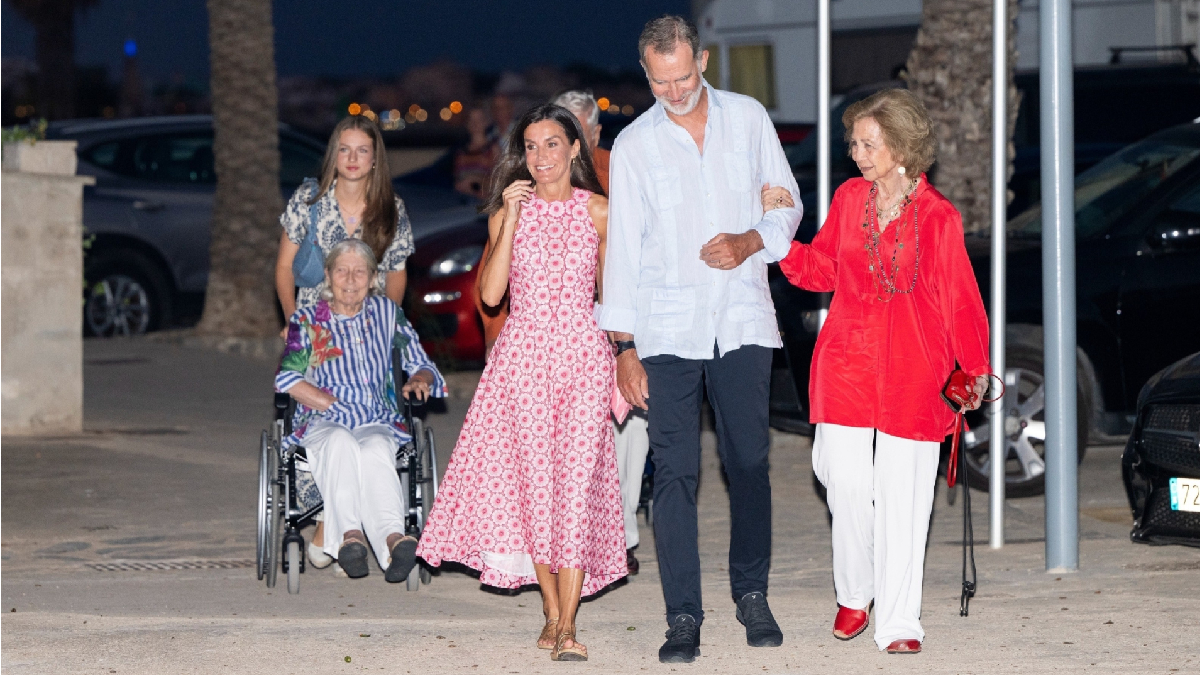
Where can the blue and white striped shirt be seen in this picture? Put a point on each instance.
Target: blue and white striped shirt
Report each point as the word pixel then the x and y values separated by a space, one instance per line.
pixel 351 358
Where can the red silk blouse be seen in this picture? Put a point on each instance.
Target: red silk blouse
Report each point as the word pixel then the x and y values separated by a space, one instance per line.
pixel 882 363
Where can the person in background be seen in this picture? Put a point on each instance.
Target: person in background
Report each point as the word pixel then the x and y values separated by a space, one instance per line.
pixel 353 199
pixel 686 277
pixel 473 162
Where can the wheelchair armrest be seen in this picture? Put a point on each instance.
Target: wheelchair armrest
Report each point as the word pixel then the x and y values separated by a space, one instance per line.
pixel 282 402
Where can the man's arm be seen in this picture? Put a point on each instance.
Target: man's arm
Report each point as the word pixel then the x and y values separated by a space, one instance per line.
pixel 778 226
pixel 623 250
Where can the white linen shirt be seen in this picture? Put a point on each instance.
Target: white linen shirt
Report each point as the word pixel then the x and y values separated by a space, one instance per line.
pixel 666 201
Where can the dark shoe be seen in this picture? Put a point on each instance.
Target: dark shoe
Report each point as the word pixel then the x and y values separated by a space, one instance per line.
pixel 849 623
pixel 404 558
pixel 683 641
pixel 631 562
pixel 755 615
pixel 904 647
pixel 352 557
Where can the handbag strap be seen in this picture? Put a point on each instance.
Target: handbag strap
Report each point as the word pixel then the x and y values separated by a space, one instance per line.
pixel 968 587
pixel 311 235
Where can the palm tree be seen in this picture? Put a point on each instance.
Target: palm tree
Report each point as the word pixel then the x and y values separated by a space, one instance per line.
pixel 54 46
pixel 241 296
pixel 950 70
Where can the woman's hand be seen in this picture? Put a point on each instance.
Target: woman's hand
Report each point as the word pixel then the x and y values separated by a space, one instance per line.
pixel 420 383
pixel 776 197
pixel 978 389
pixel 517 193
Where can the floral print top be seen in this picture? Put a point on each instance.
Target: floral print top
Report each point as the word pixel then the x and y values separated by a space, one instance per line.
pixel 350 357
pixel 331 229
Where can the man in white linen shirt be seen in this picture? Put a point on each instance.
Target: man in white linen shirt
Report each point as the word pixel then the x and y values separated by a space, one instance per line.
pixel 687 303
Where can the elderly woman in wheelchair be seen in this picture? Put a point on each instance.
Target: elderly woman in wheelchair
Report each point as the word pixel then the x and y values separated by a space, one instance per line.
pixel 337 366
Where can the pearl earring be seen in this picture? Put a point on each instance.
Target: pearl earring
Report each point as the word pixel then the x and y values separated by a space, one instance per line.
pixel 900 171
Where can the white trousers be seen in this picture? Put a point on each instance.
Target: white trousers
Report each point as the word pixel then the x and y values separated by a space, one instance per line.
pixel 633 444
pixel 355 470
pixel 881 506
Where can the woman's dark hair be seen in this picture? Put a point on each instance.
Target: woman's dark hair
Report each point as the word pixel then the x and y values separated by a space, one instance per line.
pixel 511 165
pixel 379 211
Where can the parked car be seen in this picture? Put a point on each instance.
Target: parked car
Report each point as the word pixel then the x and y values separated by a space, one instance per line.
pixel 1137 283
pixel 1161 464
pixel 149 214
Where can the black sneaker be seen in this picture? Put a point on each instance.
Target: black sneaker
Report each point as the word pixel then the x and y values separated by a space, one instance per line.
pixel 683 641
pixel 755 615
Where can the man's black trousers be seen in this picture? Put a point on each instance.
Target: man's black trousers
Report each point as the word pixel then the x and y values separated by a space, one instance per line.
pixel 738 386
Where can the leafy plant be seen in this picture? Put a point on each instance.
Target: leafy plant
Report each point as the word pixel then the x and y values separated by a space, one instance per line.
pixel 33 132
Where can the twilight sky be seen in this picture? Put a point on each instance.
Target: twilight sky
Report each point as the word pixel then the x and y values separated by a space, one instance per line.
pixel 367 37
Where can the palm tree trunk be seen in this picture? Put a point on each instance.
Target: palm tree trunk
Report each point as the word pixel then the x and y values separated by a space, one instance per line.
pixel 241 295
pixel 950 70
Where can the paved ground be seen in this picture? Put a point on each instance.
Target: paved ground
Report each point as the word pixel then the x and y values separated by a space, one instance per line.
pixel 166 471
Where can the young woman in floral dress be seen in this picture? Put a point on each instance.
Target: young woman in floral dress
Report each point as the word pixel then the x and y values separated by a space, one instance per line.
pixel 531 493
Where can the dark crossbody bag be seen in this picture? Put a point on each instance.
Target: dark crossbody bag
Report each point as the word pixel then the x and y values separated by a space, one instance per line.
pixel 957 394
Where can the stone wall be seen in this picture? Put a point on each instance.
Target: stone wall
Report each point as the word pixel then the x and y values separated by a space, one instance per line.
pixel 41 274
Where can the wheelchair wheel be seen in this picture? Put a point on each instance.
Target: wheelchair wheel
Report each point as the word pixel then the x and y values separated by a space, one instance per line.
pixel 263 487
pixel 293 565
pixel 276 508
pixel 414 579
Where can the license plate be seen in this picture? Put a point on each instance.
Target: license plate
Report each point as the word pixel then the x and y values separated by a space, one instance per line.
pixel 1185 494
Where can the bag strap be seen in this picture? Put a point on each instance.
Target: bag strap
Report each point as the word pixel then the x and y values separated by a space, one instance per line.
pixel 968 587
pixel 311 235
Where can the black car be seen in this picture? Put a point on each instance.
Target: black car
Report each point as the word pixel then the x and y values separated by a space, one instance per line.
pixel 1137 289
pixel 1161 464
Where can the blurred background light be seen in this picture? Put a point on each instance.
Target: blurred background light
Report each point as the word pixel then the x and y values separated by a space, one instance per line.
pixel 354 109
pixel 456 107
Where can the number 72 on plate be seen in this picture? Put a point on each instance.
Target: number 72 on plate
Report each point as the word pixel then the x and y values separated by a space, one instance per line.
pixel 1185 494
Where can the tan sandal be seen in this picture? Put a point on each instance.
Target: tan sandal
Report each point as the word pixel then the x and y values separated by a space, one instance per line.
pixel 561 653
pixel 546 639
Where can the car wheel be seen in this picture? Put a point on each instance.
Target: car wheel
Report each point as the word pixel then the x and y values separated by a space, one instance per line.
pixel 1025 428
pixel 124 296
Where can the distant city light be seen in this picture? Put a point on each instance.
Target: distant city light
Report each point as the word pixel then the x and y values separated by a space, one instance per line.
pixel 627 109
pixel 412 109
pixel 354 109
pixel 421 115
pixel 445 114
pixel 370 114
pixel 410 118
pixel 131 48
pixel 456 107
pixel 603 103
pixel 614 108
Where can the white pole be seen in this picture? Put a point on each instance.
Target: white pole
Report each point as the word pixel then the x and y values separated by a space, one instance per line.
pixel 823 130
pixel 998 442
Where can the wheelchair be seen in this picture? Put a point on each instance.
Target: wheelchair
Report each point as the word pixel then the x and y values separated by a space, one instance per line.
pixel 288 500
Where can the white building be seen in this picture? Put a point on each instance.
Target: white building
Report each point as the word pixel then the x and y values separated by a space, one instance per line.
pixel 768 48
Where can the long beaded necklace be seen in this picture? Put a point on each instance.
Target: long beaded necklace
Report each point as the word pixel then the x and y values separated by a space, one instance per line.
pixel 885 280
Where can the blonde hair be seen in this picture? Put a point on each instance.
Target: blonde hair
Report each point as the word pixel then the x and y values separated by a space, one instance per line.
pixel 904 121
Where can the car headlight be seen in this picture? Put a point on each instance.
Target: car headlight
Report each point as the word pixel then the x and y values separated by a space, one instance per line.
pixel 441 297
pixel 458 261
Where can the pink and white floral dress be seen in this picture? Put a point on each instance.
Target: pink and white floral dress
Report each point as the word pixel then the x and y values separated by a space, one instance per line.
pixel 533 478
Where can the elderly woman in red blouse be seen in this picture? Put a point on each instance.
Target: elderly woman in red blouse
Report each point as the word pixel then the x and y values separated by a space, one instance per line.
pixel 905 308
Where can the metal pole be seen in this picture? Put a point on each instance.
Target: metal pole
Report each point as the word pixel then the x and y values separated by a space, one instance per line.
pixel 1058 284
pixel 998 442
pixel 823 130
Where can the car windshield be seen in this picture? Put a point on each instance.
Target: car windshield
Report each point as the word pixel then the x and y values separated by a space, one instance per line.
pixel 1107 191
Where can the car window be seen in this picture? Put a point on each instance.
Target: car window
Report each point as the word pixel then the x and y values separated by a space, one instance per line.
pixel 1105 193
pixel 103 155
pixel 175 159
pixel 1189 203
pixel 297 162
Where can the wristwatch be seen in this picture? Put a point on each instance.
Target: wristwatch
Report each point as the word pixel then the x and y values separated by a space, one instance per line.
pixel 624 346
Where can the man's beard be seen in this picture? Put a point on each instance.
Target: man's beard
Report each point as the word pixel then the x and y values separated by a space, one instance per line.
pixel 689 103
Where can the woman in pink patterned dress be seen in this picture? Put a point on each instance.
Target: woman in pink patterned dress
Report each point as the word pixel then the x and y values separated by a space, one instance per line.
pixel 531 493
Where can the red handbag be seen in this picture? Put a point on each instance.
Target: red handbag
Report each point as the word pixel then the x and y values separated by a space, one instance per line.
pixel 958 395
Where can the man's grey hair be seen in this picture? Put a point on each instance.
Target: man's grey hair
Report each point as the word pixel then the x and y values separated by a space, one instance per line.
pixel 349 245
pixel 663 33
pixel 582 104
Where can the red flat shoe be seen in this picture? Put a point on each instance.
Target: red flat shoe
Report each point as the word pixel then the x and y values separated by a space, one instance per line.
pixel 850 622
pixel 904 647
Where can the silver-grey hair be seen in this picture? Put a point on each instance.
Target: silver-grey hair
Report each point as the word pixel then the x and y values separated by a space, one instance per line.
pixel 349 245
pixel 663 33
pixel 582 104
